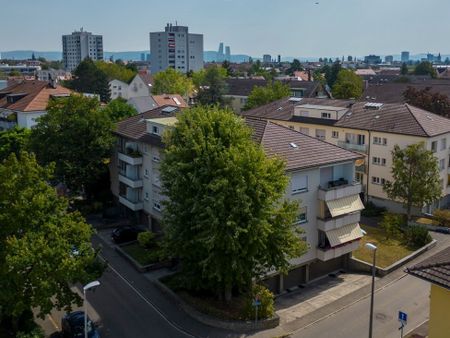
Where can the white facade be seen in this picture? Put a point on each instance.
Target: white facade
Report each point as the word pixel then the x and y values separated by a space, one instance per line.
pixel 28 119
pixel 79 46
pixel 138 88
pixel 118 89
pixel 176 48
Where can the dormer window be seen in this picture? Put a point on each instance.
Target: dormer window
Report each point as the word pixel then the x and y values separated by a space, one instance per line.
pixel 326 115
pixel 155 130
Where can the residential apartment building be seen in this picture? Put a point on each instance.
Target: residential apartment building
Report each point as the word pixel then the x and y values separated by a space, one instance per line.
pixel 22 103
pixel 81 45
pixel 321 180
pixel 176 48
pixel 372 129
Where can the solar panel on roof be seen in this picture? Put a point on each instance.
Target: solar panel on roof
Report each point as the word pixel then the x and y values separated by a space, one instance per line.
pixel 295 99
pixel 169 109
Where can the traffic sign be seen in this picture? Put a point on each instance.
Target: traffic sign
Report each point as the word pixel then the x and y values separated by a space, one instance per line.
pixel 403 317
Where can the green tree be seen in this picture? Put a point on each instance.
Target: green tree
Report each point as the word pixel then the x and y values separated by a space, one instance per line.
pixel 348 85
pixel 90 79
pixel 295 66
pixel 262 95
pixel 425 68
pixel 118 109
pixel 415 177
pixel 404 70
pixel 227 66
pixel 225 215
pixel 332 72
pixel 426 99
pixel 76 135
pixel 43 248
pixel 171 81
pixel 211 85
pixel 116 70
pixel 14 141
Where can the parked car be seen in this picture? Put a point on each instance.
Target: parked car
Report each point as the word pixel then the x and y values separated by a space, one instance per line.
pixel 443 230
pixel 72 326
pixel 125 234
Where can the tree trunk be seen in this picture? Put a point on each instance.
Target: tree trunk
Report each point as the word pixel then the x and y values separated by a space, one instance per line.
pixel 228 293
pixel 408 212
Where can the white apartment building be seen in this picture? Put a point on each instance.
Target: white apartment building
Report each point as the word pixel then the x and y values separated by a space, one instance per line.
pixel 372 129
pixel 140 86
pixel 176 48
pixel 321 180
pixel 81 45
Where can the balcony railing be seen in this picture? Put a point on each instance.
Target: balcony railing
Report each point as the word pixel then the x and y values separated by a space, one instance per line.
pixel 337 222
pixel 338 191
pixel 362 148
pixel 134 205
pixel 130 181
pixel 132 158
pixel 325 254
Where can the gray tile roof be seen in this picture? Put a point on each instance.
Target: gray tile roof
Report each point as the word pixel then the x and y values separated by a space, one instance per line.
pixel 435 269
pixel 396 118
pixel 310 152
pixel 243 87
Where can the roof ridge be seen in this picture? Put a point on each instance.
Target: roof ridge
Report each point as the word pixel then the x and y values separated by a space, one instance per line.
pixel 408 106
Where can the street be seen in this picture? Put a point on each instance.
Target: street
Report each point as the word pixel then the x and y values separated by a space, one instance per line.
pixel 408 294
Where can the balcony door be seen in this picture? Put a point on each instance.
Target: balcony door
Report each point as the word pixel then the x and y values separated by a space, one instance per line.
pixel 326 175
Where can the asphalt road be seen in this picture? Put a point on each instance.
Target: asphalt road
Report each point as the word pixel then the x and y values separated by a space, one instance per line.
pixel 408 294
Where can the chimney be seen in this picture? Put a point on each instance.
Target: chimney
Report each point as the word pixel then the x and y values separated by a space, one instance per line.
pixel 309 74
pixel 53 82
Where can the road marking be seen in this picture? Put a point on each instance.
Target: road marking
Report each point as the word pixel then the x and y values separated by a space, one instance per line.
pixel 153 306
pixel 53 322
pixel 346 306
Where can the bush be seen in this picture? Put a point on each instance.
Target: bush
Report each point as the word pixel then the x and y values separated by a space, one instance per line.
pixel 266 309
pixel 146 239
pixel 371 210
pixel 416 236
pixel 35 333
pixel 442 217
pixel 392 224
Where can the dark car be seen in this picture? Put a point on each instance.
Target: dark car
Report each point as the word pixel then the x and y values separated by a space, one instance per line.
pixel 125 234
pixel 72 326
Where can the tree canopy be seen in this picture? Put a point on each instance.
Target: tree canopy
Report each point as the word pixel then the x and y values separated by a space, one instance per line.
pixel 295 66
pixel 43 247
pixel 118 109
pixel 262 95
pixel 225 215
pixel 76 135
pixel 425 68
pixel 14 141
pixel 426 99
pixel 211 85
pixel 332 72
pixel 415 175
pixel 88 78
pixel 116 71
pixel 404 70
pixel 348 85
pixel 171 81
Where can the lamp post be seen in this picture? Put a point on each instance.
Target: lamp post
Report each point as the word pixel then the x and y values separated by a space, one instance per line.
pixel 85 288
pixel 372 247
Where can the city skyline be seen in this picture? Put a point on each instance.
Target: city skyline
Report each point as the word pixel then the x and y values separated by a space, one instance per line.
pixel 328 28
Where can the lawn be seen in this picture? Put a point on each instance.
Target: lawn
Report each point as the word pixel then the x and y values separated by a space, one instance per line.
pixel 389 251
pixel 141 255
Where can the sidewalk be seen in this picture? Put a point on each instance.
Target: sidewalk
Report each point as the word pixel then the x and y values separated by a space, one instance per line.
pixel 419 332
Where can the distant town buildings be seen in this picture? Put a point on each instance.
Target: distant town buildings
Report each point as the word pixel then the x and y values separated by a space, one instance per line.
pixel 79 46
pixel 221 56
pixel 267 58
pixel 372 59
pixel 388 59
pixel 405 56
pixel 176 48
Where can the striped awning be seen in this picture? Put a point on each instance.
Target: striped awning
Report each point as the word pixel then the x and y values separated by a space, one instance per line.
pixel 344 234
pixel 345 205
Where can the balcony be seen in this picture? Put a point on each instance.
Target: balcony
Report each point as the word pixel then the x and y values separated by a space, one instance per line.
pixel 361 148
pixel 325 254
pixel 338 190
pixel 131 182
pixel 337 222
pixel 360 168
pixel 131 204
pixel 132 158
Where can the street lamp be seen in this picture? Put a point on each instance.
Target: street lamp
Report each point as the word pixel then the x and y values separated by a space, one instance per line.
pixel 372 247
pixel 85 288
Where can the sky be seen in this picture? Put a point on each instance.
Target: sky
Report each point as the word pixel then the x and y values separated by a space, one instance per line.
pixel 298 28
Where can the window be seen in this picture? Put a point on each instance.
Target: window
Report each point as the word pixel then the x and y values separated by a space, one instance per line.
pixel 380 140
pixel 320 134
pixel 302 216
pixel 378 180
pixel 383 162
pixel 335 134
pixel 442 164
pixel 304 130
pixel 434 146
pixel 146 196
pixel 155 158
pixel 443 144
pixel 146 173
pixel 376 160
pixel 326 115
pixel 156 180
pixel 299 183
pixel 157 205
pixel 155 130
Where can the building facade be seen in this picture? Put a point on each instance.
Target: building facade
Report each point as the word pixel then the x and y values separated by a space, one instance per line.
pixel 321 181
pixel 81 45
pixel 405 56
pixel 372 129
pixel 176 48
